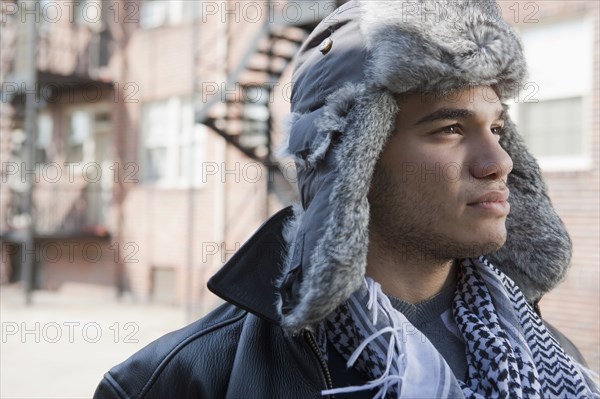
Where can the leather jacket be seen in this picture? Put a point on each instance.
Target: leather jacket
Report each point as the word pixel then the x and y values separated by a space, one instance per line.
pixel 236 351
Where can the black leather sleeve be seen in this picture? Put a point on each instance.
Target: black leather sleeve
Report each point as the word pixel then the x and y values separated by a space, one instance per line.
pixel 194 362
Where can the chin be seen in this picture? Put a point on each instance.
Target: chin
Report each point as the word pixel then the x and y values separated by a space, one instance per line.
pixel 492 244
pixel 490 232
pixel 490 247
pixel 474 250
pixel 482 243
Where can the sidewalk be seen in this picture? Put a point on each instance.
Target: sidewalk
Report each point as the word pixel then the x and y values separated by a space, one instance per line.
pixel 61 345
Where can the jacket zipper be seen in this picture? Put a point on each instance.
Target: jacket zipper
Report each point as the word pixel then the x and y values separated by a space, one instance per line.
pixel 313 345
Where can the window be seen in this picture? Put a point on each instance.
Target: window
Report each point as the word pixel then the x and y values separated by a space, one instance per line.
pixel 99 49
pixel 155 13
pixel 88 134
pixel 45 126
pixel 553 111
pixel 192 141
pixel 79 133
pixel 91 13
pixel 174 146
pixel 256 119
pixel 552 130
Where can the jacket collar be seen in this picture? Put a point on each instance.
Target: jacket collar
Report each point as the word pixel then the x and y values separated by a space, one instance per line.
pixel 247 279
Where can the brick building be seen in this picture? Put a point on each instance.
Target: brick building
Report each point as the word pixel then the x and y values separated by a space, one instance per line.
pixel 157 122
pixel 558 114
pixel 154 137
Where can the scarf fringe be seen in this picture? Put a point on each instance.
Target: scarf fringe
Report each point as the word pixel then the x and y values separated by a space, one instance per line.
pixel 377 299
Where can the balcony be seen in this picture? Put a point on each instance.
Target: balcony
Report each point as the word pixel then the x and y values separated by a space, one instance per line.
pixel 67 52
pixel 60 211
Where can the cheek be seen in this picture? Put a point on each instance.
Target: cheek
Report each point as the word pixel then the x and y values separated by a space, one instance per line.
pixel 430 196
pixel 430 158
pixel 435 181
pixel 428 176
pixel 442 173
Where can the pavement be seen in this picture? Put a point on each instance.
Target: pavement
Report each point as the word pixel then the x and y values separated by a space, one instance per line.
pixel 61 345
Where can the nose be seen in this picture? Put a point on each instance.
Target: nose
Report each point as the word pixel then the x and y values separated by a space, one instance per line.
pixel 490 160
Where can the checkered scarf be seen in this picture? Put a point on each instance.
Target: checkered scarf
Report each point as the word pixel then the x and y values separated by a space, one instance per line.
pixel 510 353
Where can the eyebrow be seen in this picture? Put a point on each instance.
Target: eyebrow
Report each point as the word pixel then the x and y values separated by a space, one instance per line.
pixel 453 113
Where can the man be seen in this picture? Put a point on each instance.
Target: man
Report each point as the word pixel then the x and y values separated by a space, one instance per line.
pixel 410 171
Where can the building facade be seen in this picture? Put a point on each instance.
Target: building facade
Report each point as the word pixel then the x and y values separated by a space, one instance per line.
pixel 153 137
pixel 558 115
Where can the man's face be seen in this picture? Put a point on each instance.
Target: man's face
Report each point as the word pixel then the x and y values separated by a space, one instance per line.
pixel 439 188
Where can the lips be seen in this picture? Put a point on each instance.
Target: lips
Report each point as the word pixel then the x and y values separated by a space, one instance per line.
pixel 492 196
pixel 494 202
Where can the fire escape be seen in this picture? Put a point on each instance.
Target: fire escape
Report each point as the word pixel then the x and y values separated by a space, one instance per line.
pixel 243 116
pixel 42 63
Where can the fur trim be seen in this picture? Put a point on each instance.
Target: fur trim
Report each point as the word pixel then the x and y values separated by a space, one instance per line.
pixel 438 46
pixel 331 122
pixel 336 265
pixel 289 232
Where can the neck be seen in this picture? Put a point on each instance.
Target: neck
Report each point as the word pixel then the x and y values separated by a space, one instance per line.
pixel 410 276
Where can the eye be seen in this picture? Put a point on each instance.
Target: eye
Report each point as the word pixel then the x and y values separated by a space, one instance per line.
pixel 451 130
pixel 498 130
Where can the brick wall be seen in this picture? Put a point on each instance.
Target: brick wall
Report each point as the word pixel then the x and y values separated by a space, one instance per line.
pixel 223 211
pixel 573 306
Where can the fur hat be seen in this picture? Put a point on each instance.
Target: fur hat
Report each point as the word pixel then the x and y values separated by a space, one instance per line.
pixel 346 76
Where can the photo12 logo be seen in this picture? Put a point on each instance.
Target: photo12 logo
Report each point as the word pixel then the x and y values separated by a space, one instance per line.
pixel 54 172
pixel 69 331
pixel 88 12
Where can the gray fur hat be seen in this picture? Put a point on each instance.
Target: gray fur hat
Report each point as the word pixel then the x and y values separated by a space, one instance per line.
pixel 346 76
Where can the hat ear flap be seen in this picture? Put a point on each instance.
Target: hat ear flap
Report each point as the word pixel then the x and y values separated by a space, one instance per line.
pixel 538 249
pixel 331 240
